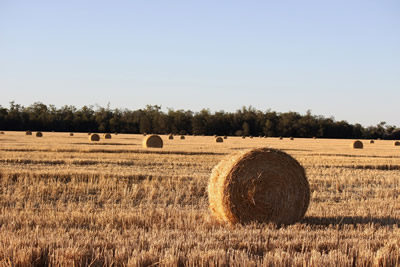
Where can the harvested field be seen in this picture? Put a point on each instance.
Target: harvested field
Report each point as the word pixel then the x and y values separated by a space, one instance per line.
pixel 67 201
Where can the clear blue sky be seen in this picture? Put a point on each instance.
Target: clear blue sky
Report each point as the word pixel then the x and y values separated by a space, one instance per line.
pixel 336 58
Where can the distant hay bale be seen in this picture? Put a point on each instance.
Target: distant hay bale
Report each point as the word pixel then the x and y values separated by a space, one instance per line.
pixel 397 143
pixel 251 137
pixel 291 138
pixel 71 134
pixel 225 137
pixel 170 137
pixel 243 137
pixel 182 137
pixel 219 139
pixel 94 137
pixel 314 137
pixel 371 141
pixel 107 136
pixel 262 185
pixel 144 134
pixel 116 133
pixel 280 138
pixel 28 133
pixel 357 144
pixel 1 132
pixel 89 133
pixel 39 134
pixel 153 141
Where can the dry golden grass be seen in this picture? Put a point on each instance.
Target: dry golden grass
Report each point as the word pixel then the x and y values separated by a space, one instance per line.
pixel 66 201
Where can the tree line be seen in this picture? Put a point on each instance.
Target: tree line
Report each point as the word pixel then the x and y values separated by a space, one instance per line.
pixel 247 121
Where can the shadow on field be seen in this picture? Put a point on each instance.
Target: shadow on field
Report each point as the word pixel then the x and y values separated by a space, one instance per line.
pixel 354 220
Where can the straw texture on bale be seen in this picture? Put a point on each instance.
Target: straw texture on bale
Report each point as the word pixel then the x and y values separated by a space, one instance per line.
pixel 261 185
pixel 28 133
pixel 397 143
pixel 152 141
pixel 357 144
pixel 182 137
pixel 94 137
pixel 107 136
pixel 219 139
pixel 171 137
pixel 39 134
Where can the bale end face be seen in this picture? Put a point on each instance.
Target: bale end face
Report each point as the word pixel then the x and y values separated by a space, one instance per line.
pixel 219 139
pixel 152 141
pixel 357 144
pixel 94 138
pixel 261 185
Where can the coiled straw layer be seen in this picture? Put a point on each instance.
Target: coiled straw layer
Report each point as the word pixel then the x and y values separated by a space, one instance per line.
pixel 262 185
pixel 152 141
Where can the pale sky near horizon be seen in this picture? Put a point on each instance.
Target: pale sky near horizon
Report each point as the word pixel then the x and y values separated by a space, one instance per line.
pixel 335 58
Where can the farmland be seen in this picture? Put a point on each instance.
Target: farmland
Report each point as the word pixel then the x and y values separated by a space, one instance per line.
pixel 67 201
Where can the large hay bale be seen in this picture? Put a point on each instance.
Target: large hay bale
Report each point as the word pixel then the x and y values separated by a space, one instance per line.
pixel 262 185
pixel 397 143
pixel 107 136
pixel 182 137
pixel 152 141
pixel 357 144
pixel 219 139
pixel 28 133
pixel 39 134
pixel 171 137
pixel 94 137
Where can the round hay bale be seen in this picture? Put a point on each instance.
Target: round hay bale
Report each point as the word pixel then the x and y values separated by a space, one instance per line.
pixel 28 133
pixel 94 137
pixel 89 133
pixel 291 138
pixel 357 144
pixel 182 137
pixel 243 137
pixel 280 138
pixel 219 139
pixel 144 134
pixel 1 132
pixel 39 134
pixel 371 141
pixel 251 137
pixel 152 141
pixel 262 185
pixel 107 136
pixel 397 143
pixel 225 137
pixel 171 137
pixel 71 134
